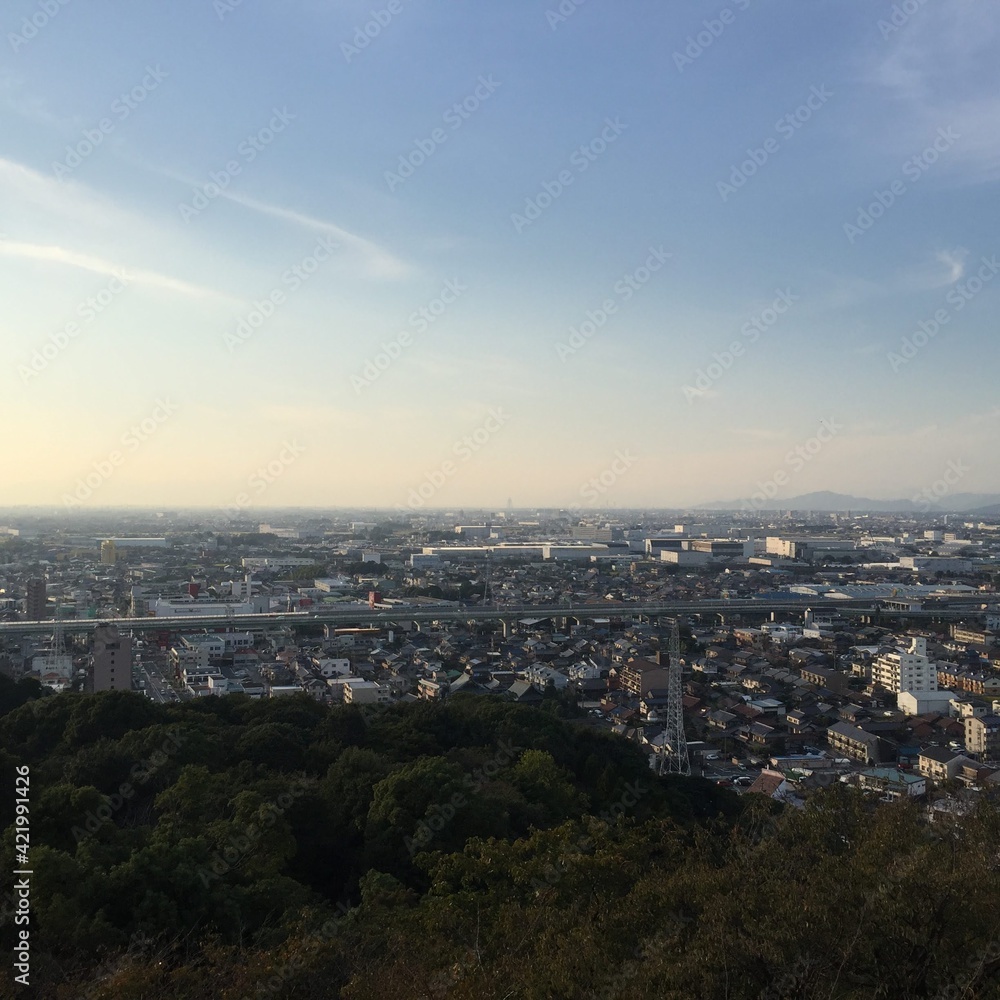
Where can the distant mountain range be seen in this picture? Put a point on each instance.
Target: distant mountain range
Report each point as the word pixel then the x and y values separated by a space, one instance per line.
pixel 980 504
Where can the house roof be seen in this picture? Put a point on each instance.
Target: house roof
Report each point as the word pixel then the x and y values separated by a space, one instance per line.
pixel 767 783
pixel 941 755
pixel 852 732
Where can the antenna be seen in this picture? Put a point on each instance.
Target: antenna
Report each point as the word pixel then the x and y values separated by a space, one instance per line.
pixel 674 753
pixel 58 641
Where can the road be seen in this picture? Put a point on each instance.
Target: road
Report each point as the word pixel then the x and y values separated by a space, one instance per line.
pixel 365 616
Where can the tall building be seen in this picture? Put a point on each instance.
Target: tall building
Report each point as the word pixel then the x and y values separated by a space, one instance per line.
pixel 112 660
pixel 35 606
pixel 906 670
pixel 109 553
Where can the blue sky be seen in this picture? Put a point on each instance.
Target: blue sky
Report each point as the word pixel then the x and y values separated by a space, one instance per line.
pixel 733 145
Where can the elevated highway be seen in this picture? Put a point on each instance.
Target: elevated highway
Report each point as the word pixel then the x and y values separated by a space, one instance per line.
pixel 362 617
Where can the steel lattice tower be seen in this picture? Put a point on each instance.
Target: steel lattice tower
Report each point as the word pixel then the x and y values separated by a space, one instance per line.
pixel 674 754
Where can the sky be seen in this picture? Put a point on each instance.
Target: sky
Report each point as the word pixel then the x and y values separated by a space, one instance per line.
pixel 333 253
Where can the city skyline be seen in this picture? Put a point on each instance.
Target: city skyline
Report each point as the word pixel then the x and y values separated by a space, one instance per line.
pixel 376 248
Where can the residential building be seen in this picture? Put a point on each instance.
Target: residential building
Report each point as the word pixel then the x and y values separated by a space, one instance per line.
pixel 854 742
pixel 940 763
pixel 36 601
pixel 982 736
pixel 366 693
pixel 972 636
pixel 906 670
pixel 639 675
pixel 892 783
pixel 111 660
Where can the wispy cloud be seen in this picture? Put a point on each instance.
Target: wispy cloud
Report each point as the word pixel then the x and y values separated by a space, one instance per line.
pixel 940 67
pixel 946 267
pixel 85 262
pixel 15 97
pixel 377 261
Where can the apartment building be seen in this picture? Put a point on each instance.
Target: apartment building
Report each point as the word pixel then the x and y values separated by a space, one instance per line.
pixel 111 660
pixel 982 736
pixel 906 670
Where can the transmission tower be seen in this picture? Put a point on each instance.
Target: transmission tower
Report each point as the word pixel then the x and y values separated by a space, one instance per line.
pixel 58 639
pixel 489 579
pixel 674 754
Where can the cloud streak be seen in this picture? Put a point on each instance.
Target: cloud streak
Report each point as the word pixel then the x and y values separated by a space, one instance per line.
pixel 85 262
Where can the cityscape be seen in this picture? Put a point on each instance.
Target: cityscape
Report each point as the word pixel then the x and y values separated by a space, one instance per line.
pixel 817 646
pixel 500 501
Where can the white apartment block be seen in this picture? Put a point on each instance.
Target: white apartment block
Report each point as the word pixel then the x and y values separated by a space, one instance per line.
pixel 366 693
pixel 906 670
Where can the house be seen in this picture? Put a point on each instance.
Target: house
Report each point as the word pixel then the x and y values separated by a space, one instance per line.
pixel 825 678
pixel 892 783
pixel 772 784
pixel 940 763
pixel 523 692
pixel 854 742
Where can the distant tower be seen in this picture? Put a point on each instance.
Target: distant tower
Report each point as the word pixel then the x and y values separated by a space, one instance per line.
pixel 489 578
pixel 36 604
pixel 58 639
pixel 112 660
pixel 109 553
pixel 674 755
